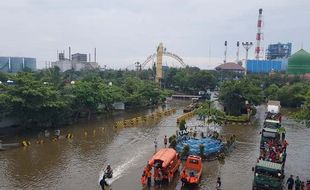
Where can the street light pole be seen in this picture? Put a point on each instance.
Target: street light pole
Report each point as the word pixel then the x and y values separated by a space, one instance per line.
pixel 138 67
pixel 247 46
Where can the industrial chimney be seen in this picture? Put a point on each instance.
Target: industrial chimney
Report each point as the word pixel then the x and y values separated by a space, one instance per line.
pixel 225 52
pixel 69 53
pixel 95 55
pixel 238 45
pixel 259 36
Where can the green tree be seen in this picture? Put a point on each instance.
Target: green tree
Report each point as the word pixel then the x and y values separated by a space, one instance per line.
pixel 271 93
pixel 304 113
pixel 35 103
pixel 3 77
pixel 234 94
pixel 211 114
pixel 293 95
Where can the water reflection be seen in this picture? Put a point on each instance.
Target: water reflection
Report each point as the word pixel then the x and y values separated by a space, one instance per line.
pixel 78 163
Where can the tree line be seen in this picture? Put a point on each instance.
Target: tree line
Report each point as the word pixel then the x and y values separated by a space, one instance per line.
pixel 50 97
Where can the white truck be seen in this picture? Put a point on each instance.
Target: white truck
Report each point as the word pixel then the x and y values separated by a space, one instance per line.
pixel 273 106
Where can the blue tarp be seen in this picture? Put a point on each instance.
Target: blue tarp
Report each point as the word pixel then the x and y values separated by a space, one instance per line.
pixel 211 146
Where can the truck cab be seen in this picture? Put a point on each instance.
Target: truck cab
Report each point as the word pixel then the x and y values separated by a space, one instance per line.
pixel 268 175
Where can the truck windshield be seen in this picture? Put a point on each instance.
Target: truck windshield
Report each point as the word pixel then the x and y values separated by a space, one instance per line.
pixel 272 125
pixel 269 134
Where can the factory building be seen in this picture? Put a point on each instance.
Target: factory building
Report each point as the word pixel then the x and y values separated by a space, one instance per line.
pixel 79 57
pixel 299 63
pixel 279 51
pixel 263 66
pixel 17 64
pixel 230 67
pixel 77 62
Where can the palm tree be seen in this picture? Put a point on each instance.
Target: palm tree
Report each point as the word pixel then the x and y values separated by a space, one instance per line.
pixel 211 114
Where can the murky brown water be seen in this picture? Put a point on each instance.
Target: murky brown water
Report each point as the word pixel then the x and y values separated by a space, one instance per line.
pixel 77 163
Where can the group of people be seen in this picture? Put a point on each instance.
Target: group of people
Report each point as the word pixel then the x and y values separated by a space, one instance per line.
pixel 159 176
pixel 274 151
pixel 299 185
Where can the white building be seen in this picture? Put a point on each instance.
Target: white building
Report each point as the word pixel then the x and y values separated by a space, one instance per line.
pixel 67 64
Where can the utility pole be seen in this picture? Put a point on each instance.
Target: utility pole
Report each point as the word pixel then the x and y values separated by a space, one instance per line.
pixel 138 67
pixel 247 46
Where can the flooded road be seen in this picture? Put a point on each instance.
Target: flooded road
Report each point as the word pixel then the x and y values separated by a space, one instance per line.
pixel 78 163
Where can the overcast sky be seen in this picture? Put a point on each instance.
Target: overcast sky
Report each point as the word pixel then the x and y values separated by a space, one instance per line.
pixel 125 31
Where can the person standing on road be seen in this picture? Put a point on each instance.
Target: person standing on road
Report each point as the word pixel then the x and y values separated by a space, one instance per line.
pixel 165 141
pixel 297 183
pixel 290 183
pixel 218 183
pixel 155 144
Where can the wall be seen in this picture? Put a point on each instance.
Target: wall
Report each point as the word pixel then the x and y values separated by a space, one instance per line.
pixel 263 66
pixel 17 64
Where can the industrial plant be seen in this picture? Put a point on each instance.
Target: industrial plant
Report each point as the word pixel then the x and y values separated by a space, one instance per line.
pixel 76 62
pixel 277 57
pixel 17 64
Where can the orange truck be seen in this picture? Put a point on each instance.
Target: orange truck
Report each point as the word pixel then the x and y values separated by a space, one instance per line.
pixel 166 161
pixel 193 169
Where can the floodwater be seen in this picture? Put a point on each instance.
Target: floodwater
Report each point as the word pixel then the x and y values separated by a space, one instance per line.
pixel 78 163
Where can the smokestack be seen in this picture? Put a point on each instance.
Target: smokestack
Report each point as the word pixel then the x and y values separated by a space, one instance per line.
pixel 95 55
pixel 225 52
pixel 259 35
pixel 89 57
pixel 69 53
pixel 238 44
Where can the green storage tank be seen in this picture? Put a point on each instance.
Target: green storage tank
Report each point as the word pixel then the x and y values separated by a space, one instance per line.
pixel 299 63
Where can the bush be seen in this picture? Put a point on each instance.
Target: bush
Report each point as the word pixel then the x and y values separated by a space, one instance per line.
pixel 171 138
pixel 173 144
pixel 185 151
pixel 202 150
pixel 182 125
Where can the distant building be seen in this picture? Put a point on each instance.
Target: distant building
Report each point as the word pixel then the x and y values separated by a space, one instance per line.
pixel 17 64
pixel 279 51
pixel 79 57
pixel 299 63
pixel 264 66
pixel 230 67
pixel 78 62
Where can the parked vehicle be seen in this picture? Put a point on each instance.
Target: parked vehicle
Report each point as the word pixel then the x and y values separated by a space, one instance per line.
pixel 193 168
pixel 167 160
pixel 273 106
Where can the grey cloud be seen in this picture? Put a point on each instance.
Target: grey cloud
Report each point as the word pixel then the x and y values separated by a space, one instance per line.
pixel 131 29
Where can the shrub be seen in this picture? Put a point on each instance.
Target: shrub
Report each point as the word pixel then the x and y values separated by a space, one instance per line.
pixel 185 151
pixel 202 149
pixel 182 125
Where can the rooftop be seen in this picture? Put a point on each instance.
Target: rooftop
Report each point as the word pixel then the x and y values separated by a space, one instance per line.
pixel 230 66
